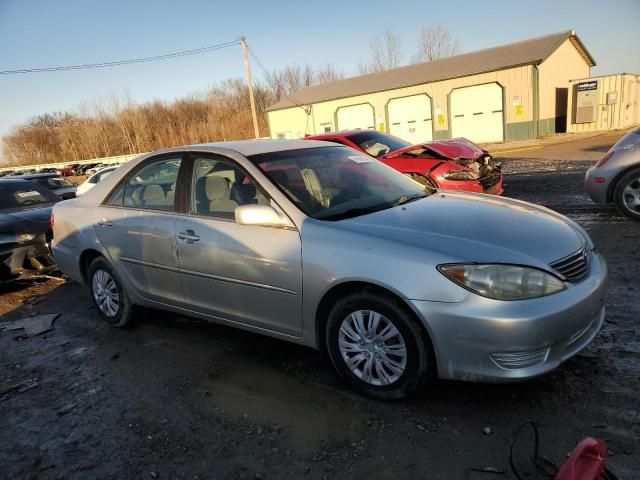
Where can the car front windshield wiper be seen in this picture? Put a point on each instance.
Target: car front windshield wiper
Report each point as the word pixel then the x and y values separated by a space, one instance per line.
pixel 356 212
pixel 409 198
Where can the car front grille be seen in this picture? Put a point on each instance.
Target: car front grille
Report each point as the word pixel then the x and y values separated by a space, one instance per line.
pixel 515 360
pixel 574 267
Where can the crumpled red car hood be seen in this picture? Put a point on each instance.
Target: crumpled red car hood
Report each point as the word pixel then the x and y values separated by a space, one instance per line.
pixel 453 149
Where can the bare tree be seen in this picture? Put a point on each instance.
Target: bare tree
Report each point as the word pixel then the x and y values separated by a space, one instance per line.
pixel 327 73
pixel 385 53
pixel 435 42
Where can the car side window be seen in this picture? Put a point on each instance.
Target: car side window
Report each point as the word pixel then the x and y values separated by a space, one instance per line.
pixel 152 187
pixel 219 186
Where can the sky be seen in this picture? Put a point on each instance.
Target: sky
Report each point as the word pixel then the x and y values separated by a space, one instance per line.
pixel 42 33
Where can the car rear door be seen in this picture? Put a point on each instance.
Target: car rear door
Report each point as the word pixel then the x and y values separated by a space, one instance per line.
pixel 137 226
pixel 249 275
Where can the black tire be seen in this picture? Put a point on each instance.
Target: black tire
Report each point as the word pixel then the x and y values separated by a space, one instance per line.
pixel 418 347
pixel 126 309
pixel 631 178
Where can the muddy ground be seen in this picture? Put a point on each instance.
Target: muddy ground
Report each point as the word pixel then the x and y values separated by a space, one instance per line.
pixel 173 397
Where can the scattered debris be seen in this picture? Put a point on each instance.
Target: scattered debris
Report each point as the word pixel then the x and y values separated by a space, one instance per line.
pixel 494 470
pixel 31 325
pixel 153 474
pixel 487 430
pixel 79 400
pixel 21 387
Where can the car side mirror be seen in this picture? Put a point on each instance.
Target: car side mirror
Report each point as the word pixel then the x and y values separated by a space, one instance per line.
pixel 261 215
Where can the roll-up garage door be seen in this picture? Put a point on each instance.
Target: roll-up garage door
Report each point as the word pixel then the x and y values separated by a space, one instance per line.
pixel 476 113
pixel 410 118
pixel 356 117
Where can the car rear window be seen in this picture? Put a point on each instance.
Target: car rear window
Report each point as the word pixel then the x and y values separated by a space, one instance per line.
pixel 23 195
pixel 53 182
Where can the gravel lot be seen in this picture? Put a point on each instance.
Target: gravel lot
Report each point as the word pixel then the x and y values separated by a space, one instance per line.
pixel 178 398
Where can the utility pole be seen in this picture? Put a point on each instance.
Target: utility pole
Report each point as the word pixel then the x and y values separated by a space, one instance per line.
pixel 247 69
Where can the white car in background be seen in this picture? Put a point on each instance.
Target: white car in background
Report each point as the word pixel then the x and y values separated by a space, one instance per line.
pixel 93 180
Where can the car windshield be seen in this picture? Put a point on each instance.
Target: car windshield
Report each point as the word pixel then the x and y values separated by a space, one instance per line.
pixel 53 182
pixel 333 183
pixel 376 143
pixel 23 195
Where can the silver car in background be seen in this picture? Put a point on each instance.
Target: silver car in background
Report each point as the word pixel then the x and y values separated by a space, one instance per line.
pixel 317 244
pixel 616 176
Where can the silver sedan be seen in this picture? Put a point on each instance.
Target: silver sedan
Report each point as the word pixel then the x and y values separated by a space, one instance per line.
pixel 616 177
pixel 320 245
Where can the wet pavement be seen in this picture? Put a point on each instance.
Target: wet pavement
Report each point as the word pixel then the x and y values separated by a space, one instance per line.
pixel 173 397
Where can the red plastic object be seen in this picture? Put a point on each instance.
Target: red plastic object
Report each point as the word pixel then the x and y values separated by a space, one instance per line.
pixel 586 462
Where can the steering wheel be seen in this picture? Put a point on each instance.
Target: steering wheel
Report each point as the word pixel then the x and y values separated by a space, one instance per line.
pixel 350 192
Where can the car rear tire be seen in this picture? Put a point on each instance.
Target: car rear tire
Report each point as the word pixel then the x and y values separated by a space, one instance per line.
pixel 626 194
pixel 377 346
pixel 108 294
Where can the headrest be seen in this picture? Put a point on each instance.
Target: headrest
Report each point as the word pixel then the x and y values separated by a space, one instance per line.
pixel 217 188
pixel 152 193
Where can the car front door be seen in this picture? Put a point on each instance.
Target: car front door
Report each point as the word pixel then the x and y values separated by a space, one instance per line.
pixel 137 226
pixel 250 275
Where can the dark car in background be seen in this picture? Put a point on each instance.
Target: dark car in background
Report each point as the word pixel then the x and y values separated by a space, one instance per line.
pixel 25 229
pixel 82 169
pixel 62 187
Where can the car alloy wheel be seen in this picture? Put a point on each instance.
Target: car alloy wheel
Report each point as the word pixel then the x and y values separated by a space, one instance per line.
pixel 105 292
pixel 372 348
pixel 631 195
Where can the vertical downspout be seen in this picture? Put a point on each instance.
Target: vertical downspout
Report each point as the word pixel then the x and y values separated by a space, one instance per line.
pixel 536 100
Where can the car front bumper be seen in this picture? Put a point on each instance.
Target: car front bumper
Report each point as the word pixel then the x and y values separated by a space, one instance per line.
pixel 485 340
pixel 18 260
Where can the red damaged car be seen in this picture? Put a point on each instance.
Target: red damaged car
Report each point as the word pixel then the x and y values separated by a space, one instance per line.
pixel 457 164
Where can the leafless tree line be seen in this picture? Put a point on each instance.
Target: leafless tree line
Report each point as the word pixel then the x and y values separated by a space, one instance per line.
pixel 118 126
pixel 434 42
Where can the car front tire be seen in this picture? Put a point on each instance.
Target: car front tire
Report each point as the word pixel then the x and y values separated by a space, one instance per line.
pixel 377 346
pixel 626 194
pixel 108 294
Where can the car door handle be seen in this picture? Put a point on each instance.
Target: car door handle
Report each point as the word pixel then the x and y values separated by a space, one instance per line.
pixel 105 223
pixel 189 236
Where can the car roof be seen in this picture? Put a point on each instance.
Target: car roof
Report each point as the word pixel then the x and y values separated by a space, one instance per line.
pixel 344 133
pixel 252 147
pixel 39 175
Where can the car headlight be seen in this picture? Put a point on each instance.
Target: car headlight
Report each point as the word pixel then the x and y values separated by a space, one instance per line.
pixel 16 237
pixel 503 282
pixel 460 175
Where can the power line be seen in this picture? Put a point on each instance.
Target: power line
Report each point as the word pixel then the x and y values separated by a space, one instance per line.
pixel 123 62
pixel 272 80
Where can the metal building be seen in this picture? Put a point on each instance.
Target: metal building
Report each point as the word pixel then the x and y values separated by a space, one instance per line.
pixel 604 103
pixel 510 92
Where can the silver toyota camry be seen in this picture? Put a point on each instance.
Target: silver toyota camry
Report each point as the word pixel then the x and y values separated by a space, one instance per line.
pixel 320 245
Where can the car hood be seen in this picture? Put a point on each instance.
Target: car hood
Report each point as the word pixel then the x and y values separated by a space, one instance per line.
pixel 457 148
pixel 476 228
pixel 25 221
